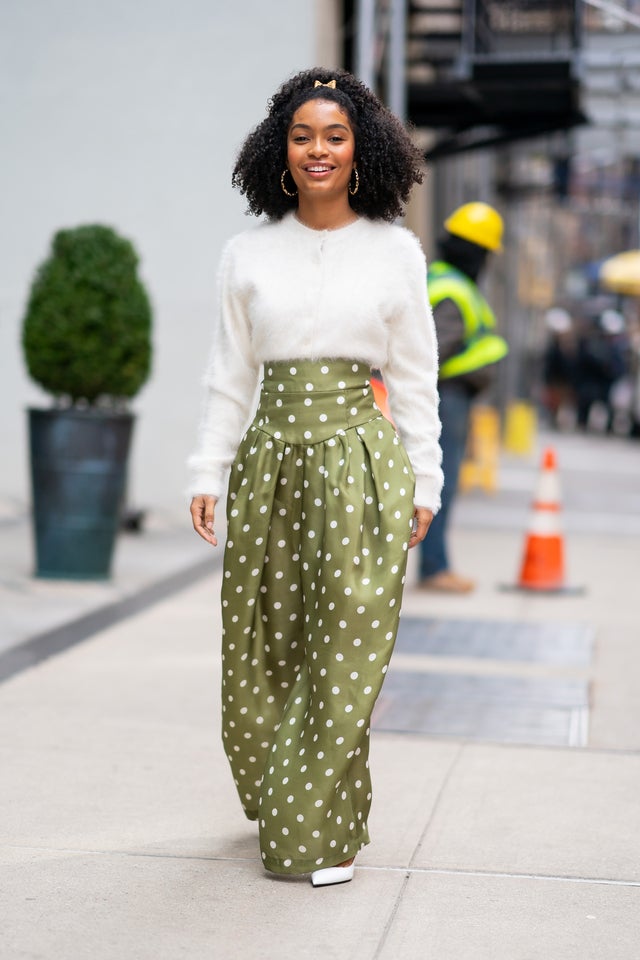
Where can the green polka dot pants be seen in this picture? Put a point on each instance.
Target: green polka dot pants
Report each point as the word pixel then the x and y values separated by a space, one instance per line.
pixel 320 510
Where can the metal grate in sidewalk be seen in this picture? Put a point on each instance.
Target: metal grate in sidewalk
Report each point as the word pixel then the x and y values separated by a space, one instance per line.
pixel 505 709
pixel 547 642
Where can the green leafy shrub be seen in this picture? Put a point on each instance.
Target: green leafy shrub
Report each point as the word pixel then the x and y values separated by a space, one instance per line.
pixel 87 327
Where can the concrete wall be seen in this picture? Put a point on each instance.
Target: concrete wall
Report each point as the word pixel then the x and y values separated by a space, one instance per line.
pixel 130 114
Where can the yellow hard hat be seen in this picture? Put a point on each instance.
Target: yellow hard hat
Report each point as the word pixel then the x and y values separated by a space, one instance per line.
pixel 477 222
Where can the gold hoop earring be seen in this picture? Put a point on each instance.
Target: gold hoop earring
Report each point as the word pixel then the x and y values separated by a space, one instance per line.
pixel 357 186
pixel 284 189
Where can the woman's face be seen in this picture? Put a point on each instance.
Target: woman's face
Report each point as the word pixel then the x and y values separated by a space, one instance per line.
pixel 320 149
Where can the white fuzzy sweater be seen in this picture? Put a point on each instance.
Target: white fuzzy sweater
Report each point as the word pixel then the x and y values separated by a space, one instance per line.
pixel 289 292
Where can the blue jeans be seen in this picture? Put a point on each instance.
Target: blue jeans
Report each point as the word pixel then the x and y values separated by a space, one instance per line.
pixel 455 405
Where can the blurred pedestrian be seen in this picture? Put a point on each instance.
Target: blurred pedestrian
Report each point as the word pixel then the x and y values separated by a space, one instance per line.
pixel 469 349
pixel 602 361
pixel 559 366
pixel 321 504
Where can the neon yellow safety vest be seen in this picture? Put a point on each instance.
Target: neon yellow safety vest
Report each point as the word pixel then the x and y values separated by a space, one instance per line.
pixel 481 345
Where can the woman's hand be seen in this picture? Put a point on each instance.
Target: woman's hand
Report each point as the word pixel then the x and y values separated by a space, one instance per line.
pixel 421 522
pixel 202 514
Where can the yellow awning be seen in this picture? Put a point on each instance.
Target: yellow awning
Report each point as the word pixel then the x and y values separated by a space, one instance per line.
pixel 621 273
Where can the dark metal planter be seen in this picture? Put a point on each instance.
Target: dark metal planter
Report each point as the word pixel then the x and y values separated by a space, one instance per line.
pixel 78 474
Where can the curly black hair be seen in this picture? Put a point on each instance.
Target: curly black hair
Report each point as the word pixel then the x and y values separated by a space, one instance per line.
pixel 388 162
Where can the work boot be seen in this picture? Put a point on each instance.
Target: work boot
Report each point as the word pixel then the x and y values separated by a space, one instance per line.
pixel 446 581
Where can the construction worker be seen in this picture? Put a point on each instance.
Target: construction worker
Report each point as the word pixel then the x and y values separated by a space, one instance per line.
pixel 469 349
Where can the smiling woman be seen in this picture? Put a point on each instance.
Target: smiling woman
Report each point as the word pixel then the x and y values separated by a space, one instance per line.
pixel 320 159
pixel 324 497
pixel 387 161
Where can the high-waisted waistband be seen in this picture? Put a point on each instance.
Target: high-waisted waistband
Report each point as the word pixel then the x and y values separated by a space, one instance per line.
pixel 309 401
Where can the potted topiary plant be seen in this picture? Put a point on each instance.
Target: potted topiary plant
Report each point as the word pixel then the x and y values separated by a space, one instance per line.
pixel 87 341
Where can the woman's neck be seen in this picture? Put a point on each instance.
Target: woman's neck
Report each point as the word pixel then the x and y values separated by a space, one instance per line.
pixel 325 216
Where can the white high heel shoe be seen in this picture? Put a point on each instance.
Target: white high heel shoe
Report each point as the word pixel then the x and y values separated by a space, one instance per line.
pixel 331 875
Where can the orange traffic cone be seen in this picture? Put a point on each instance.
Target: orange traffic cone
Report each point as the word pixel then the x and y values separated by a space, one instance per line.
pixel 543 560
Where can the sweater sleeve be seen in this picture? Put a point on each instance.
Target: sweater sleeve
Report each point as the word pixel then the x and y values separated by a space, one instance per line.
pixel 230 382
pixel 411 375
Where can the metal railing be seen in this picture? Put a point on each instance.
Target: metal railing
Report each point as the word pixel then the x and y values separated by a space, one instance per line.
pixel 521 29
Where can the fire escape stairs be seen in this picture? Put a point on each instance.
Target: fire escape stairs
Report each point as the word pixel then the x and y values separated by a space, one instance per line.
pixel 485 72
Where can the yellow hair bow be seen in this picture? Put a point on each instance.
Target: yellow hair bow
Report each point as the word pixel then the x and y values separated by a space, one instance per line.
pixel 331 83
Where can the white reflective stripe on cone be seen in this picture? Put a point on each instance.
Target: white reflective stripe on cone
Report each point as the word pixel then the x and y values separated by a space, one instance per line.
pixel 548 489
pixel 545 523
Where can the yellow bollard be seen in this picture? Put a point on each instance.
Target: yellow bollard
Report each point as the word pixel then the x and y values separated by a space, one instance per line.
pixel 480 465
pixel 521 424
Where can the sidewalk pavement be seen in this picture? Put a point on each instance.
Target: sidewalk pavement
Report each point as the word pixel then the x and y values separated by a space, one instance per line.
pixel 121 835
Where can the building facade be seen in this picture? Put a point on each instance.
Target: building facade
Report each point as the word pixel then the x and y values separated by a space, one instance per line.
pixel 131 115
